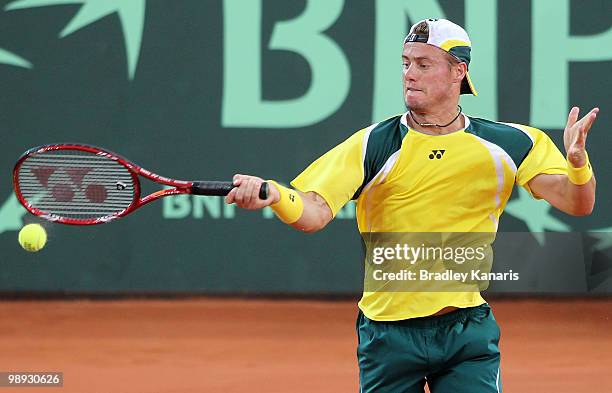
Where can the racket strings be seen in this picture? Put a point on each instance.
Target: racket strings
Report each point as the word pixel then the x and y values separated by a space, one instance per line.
pixel 76 184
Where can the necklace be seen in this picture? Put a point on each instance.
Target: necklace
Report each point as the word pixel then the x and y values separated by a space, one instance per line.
pixel 434 124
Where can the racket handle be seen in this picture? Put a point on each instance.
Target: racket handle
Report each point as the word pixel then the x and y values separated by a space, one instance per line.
pixel 264 191
pixel 222 188
pixel 216 188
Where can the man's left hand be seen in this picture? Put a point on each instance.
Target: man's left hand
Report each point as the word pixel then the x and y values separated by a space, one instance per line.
pixel 575 134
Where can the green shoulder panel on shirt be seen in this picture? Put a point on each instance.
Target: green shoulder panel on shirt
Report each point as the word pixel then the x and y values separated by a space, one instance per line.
pixel 512 140
pixel 383 140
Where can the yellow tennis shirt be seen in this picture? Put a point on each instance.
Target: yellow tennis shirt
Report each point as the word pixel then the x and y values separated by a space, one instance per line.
pixel 407 181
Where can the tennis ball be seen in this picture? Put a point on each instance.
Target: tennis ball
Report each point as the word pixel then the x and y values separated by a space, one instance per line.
pixel 32 237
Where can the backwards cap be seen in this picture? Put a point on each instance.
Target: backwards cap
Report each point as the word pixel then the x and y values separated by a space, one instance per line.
pixel 449 37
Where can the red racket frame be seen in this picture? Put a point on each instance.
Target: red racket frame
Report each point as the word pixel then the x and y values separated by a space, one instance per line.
pixel 181 186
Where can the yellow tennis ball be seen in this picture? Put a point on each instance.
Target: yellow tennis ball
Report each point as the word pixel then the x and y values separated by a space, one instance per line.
pixel 32 237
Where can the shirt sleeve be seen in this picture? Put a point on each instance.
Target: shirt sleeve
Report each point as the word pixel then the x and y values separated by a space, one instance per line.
pixel 337 174
pixel 543 158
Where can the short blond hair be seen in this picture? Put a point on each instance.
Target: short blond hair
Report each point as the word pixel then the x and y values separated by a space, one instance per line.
pixel 421 29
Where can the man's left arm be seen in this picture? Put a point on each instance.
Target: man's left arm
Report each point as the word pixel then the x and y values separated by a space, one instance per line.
pixel 573 193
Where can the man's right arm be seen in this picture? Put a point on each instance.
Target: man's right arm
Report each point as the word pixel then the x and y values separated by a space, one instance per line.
pixel 316 213
pixel 328 183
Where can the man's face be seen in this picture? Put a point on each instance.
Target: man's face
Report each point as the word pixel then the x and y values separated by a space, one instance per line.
pixel 428 77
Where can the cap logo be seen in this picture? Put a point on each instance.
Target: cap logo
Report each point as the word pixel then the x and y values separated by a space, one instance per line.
pixel 416 38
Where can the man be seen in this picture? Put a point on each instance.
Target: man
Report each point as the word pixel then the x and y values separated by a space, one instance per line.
pixel 431 169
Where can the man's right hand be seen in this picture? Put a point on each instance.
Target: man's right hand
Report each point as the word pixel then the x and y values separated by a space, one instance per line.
pixel 246 193
pixel 316 214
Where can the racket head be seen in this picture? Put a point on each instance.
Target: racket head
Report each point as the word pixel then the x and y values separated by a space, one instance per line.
pixel 76 184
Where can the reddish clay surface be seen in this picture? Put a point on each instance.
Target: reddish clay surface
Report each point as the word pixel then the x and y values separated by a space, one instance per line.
pixel 203 345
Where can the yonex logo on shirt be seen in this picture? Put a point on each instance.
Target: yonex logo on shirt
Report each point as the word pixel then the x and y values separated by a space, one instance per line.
pixel 436 154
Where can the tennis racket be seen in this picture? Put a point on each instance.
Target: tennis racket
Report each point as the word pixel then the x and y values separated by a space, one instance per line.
pixel 85 185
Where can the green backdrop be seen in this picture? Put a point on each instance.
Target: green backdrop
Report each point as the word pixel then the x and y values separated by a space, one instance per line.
pixel 205 89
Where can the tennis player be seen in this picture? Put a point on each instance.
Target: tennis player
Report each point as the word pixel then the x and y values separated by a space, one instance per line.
pixel 432 169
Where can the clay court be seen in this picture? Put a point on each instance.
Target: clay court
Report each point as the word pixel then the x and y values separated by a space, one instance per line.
pixel 231 346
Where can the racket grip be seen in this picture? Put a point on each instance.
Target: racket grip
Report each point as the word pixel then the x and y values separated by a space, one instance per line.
pixel 264 191
pixel 215 188
pixel 222 188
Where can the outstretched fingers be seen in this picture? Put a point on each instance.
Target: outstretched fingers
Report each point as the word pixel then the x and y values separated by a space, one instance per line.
pixel 588 120
pixel 572 117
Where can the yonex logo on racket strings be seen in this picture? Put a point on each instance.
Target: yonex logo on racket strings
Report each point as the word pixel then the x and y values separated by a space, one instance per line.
pixel 436 154
pixel 63 191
